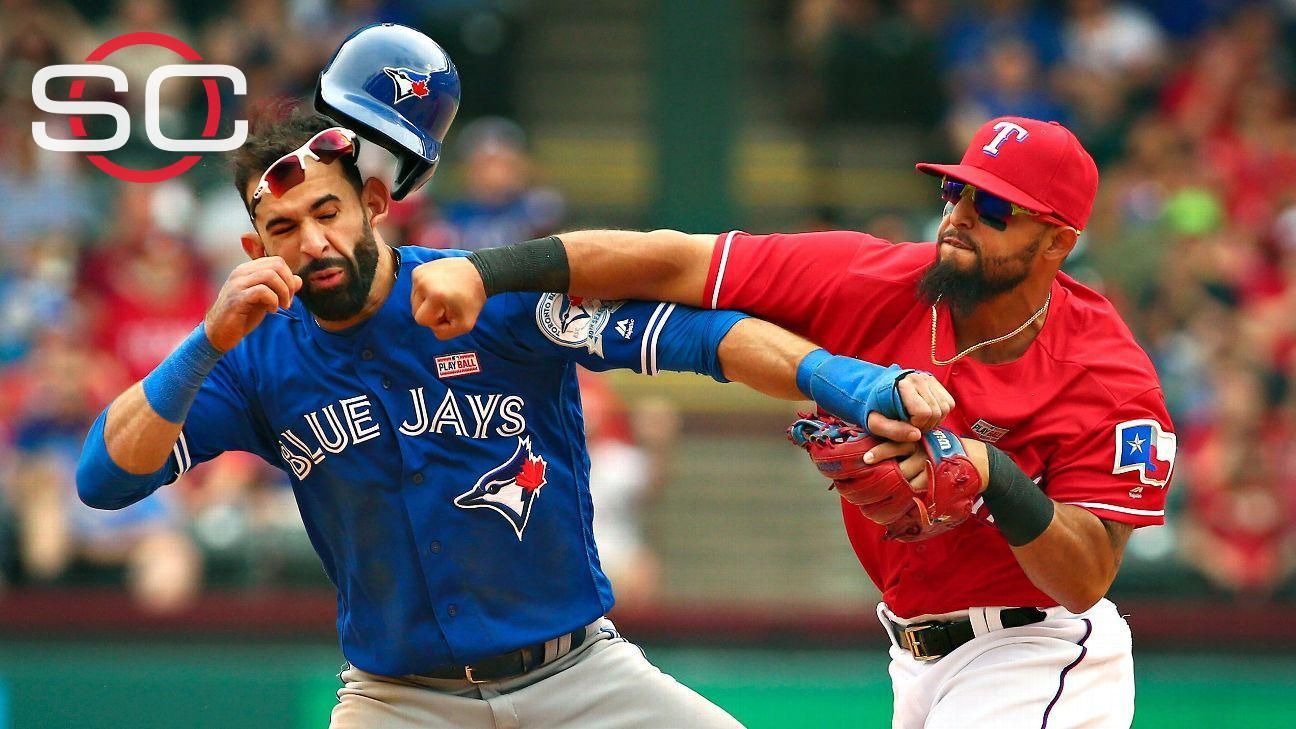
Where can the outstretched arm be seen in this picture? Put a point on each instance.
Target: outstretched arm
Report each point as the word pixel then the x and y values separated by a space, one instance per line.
pixel 661 265
pixel 778 363
pixel 448 294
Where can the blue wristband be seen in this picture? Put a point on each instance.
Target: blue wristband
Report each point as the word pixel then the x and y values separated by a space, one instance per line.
pixel 806 370
pixel 171 387
pixel 850 388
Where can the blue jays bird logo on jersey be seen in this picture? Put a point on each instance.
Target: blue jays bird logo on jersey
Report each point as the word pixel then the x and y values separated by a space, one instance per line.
pixel 1142 446
pixel 510 488
pixel 409 83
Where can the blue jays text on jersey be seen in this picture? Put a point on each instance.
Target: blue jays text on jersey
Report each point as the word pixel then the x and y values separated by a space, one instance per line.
pixel 444 485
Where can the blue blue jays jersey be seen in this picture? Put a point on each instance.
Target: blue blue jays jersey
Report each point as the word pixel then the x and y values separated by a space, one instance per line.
pixel 444 485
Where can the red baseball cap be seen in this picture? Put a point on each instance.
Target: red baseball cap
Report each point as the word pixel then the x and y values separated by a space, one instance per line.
pixel 1012 154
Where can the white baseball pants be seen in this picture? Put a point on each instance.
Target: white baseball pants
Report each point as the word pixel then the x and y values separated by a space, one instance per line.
pixel 1066 672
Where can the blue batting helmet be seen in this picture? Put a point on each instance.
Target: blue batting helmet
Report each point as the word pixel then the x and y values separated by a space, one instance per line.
pixel 397 88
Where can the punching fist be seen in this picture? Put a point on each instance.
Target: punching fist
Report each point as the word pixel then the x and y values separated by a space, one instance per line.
pixel 447 296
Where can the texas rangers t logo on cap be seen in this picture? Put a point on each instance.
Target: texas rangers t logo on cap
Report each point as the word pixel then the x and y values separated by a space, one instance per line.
pixel 409 83
pixel 1005 129
pixel 1142 446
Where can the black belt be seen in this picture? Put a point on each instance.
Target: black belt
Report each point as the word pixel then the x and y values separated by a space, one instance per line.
pixel 932 640
pixel 513 663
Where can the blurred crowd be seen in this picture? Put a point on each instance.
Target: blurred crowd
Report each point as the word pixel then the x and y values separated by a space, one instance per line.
pixel 1186 104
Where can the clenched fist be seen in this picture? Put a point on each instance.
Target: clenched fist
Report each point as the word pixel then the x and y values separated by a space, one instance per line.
pixel 253 290
pixel 447 296
pixel 925 399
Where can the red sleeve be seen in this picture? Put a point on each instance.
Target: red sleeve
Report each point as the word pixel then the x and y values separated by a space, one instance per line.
pixel 1121 469
pixel 789 278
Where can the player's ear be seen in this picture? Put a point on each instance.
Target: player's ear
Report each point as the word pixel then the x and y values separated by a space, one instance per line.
pixel 1061 243
pixel 376 199
pixel 252 245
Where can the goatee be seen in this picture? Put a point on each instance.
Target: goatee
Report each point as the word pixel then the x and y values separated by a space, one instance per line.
pixel 963 290
pixel 348 300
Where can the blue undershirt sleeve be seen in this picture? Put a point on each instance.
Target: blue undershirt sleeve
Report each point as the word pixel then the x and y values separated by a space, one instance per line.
pixel 689 340
pixel 102 484
pixel 644 336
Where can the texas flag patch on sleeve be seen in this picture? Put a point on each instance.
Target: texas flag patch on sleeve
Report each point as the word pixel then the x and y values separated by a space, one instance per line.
pixel 1142 446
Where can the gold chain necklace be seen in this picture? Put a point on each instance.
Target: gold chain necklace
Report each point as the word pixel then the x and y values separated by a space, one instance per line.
pixel 987 342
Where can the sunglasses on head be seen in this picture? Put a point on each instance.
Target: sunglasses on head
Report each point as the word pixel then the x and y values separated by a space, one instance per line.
pixel 993 210
pixel 289 170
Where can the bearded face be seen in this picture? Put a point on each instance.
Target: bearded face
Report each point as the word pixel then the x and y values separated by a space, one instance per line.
pixel 964 283
pixel 337 288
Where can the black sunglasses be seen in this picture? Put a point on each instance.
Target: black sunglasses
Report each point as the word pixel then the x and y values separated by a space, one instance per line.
pixel 992 210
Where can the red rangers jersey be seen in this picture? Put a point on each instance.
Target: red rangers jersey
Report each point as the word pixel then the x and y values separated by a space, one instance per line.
pixel 1081 412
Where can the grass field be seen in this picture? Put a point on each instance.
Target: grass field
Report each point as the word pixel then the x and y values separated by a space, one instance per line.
pixel 93 685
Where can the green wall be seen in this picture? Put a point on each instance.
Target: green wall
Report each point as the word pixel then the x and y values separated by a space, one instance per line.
pixel 89 685
pixel 695 112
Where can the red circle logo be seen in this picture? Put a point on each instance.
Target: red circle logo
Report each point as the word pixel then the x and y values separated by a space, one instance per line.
pixel 180 48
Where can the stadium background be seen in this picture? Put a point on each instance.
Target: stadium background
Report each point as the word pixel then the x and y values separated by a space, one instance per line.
pixel 208 608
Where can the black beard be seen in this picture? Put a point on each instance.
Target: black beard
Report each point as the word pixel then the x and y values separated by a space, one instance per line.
pixel 348 300
pixel 963 290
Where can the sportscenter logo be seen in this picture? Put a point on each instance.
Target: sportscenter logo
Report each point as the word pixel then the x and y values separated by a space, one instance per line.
pixel 152 107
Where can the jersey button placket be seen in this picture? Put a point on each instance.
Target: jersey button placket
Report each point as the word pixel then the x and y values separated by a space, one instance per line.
pixel 417 478
pixel 366 354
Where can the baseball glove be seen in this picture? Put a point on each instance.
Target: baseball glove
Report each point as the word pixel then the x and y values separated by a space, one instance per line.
pixel 880 489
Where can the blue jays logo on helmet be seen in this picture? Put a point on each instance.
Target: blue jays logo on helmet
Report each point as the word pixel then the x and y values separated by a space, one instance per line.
pixel 397 88
pixel 510 488
pixel 409 84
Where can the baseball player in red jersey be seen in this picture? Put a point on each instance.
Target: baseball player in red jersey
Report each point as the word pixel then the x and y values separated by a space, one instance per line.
pixel 1000 621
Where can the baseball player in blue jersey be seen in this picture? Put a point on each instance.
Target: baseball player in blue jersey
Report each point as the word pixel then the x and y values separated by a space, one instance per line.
pixel 444 484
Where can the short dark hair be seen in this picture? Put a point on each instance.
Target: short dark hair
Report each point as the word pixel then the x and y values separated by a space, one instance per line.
pixel 275 134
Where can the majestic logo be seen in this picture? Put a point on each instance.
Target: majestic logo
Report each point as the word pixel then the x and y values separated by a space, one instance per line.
pixel 988 432
pixel 1142 446
pixel 510 488
pixel 1005 129
pixel 409 83
pixel 575 321
pixel 457 365
pixel 625 328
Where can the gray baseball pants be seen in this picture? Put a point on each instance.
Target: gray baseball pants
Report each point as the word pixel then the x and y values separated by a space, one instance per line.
pixel 606 683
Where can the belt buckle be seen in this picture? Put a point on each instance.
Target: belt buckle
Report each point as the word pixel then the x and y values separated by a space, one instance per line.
pixel 468 674
pixel 914 643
